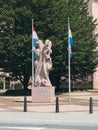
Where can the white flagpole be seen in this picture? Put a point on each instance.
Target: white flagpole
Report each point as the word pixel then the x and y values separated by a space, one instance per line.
pixel 69 73
pixel 32 58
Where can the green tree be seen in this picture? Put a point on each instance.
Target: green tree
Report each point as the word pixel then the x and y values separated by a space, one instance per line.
pixel 84 56
pixel 16 41
pixel 51 21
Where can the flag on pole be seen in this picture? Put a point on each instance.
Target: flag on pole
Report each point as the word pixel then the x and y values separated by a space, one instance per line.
pixel 71 43
pixel 34 39
pixel 70 46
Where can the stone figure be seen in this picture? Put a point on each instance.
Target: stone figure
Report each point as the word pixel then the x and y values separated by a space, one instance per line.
pixel 43 64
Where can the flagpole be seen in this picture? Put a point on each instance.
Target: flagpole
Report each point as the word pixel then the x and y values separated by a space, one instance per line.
pixel 69 73
pixel 32 58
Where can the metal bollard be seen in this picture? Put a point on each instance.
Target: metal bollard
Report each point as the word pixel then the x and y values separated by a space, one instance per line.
pixel 91 105
pixel 57 104
pixel 25 104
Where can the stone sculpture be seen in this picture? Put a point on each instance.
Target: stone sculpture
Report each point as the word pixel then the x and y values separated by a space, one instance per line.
pixel 43 64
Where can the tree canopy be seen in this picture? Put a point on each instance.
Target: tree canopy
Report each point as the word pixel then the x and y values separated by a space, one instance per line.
pixel 51 22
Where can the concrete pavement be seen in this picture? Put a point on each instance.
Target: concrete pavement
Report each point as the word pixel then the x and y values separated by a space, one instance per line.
pixel 79 104
pixel 74 113
pixel 49 118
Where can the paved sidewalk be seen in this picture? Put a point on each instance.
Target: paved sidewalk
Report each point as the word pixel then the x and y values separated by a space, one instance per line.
pixel 79 103
pixel 49 118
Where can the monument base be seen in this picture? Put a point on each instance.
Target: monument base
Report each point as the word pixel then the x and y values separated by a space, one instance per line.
pixel 43 94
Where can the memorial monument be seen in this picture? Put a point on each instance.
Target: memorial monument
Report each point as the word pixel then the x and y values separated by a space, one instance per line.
pixel 43 91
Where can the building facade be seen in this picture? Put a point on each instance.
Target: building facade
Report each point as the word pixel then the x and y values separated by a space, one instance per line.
pixel 4 80
pixel 93 11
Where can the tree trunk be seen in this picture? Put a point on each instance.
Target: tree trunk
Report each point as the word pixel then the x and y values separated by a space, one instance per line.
pixel 25 82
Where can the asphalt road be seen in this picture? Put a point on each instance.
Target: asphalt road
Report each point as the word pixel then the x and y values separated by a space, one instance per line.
pixel 47 121
pixel 16 126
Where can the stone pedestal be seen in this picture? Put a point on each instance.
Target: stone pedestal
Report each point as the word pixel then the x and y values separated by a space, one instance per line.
pixel 43 94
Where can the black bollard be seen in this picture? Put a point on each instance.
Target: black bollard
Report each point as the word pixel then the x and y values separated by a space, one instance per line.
pixel 91 105
pixel 25 104
pixel 57 104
